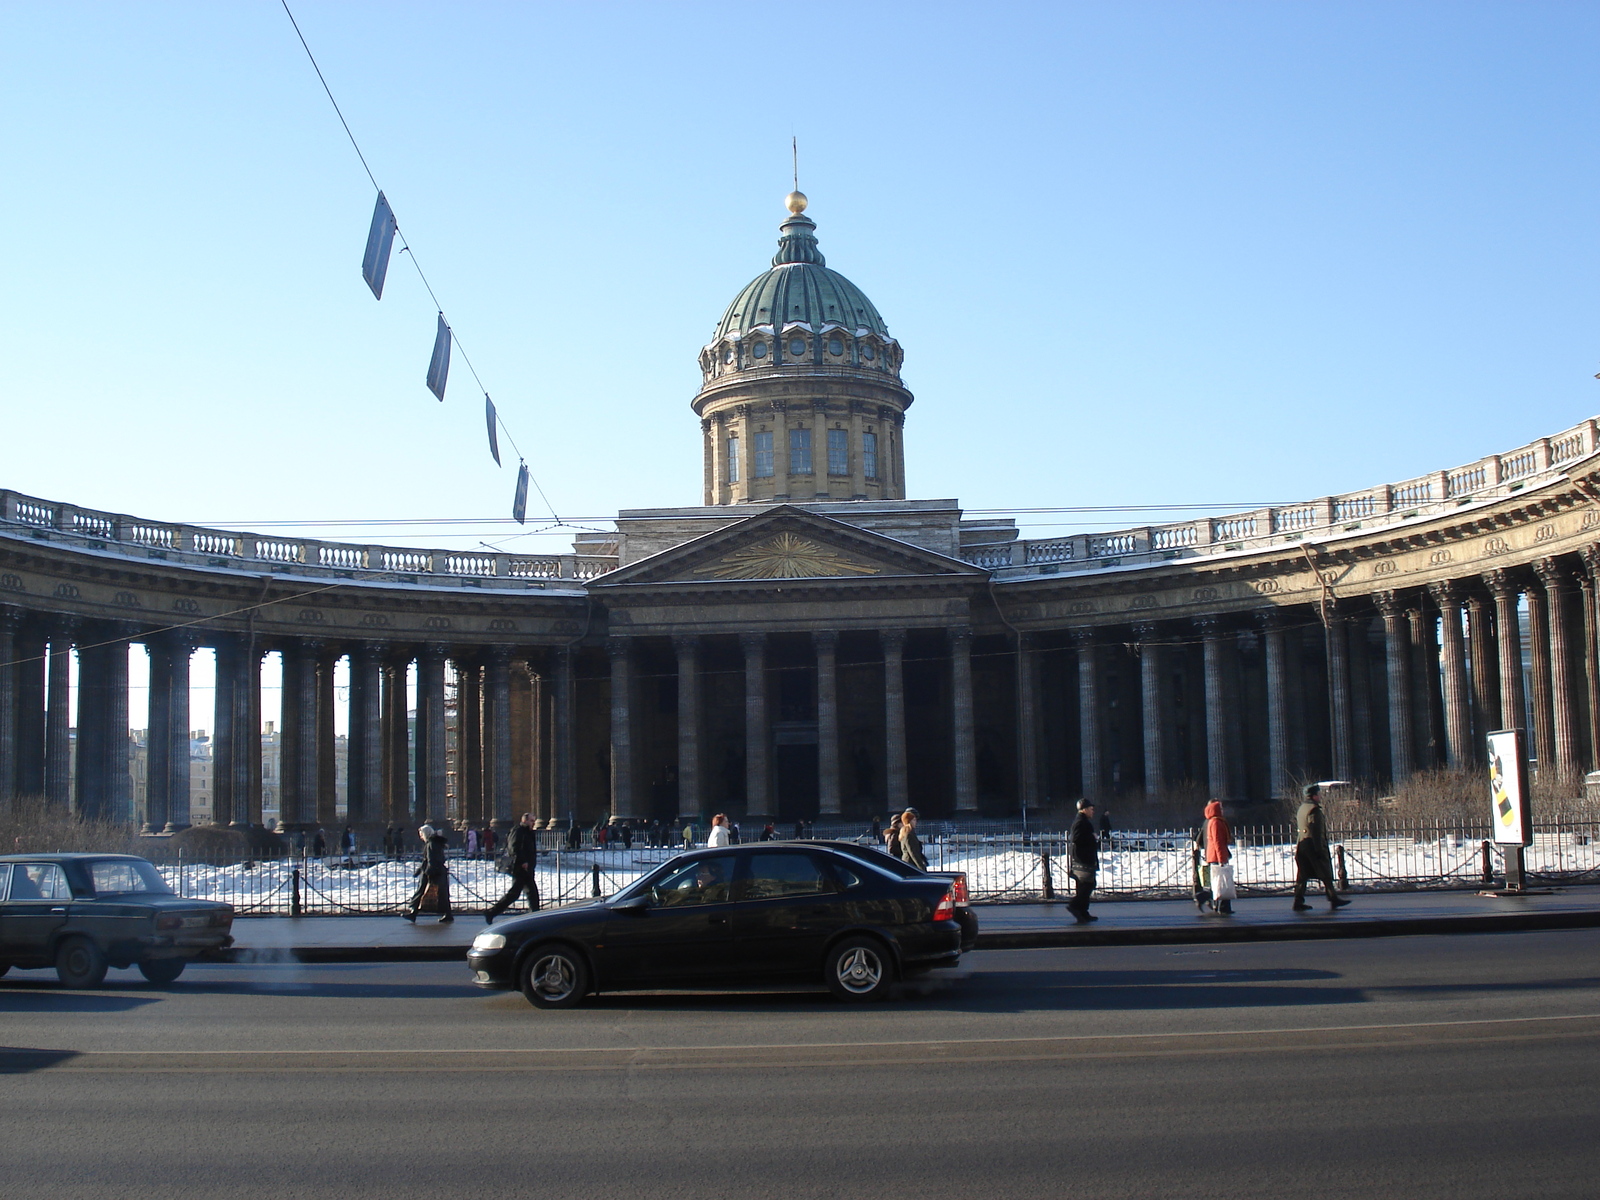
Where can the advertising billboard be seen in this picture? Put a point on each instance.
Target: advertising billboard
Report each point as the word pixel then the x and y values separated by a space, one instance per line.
pixel 1509 809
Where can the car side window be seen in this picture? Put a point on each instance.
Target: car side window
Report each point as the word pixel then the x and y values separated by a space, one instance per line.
pixel 778 876
pixel 703 882
pixel 5 881
pixel 39 881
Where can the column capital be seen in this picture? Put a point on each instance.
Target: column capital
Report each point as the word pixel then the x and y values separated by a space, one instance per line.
pixel 1268 619
pixel 751 643
pixel 686 643
pixel 1389 603
pixel 500 656
pixel 434 652
pixel 368 651
pixel 617 647
pixel 63 626
pixel 312 646
pixel 892 637
pixel 1447 593
pixel 963 633
pixel 1502 583
pixel 1591 558
pixel 10 618
pixel 1551 573
pixel 825 639
pixel 1210 626
pixel 1146 633
pixel 1085 636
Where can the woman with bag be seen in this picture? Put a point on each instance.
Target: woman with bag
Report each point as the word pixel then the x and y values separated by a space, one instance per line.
pixel 1219 859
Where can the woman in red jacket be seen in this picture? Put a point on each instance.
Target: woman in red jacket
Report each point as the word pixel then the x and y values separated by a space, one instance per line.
pixel 1219 858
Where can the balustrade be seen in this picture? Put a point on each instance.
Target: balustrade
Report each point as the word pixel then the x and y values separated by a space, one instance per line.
pixel 989 557
pixel 1112 544
pixel 1416 491
pixel 1233 529
pixel 1293 520
pixel 1465 482
pixel 1174 537
pixel 1054 551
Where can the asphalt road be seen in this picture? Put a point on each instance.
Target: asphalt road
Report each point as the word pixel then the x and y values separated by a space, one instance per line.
pixel 1456 1067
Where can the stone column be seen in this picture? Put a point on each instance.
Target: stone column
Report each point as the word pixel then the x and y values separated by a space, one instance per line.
pixel 1219 770
pixel 327 793
pixel 224 709
pixel 819 447
pixel 622 727
pixel 1090 757
pixel 469 744
pixel 1567 750
pixel 1397 660
pixel 119 784
pixel 158 735
pixel 364 749
pixel 1150 681
pixel 1358 648
pixel 894 718
pixel 247 750
pixel 58 717
pixel 858 460
pixel 689 790
pixel 1339 706
pixel 397 740
pixel 757 737
pixel 1544 724
pixel 1483 654
pixel 828 787
pixel 1426 719
pixel 1591 658
pixel 10 623
pixel 965 746
pixel 431 765
pixel 1027 724
pixel 32 654
pixel 1457 693
pixel 1503 586
pixel 297 744
pixel 566 787
pixel 88 776
pixel 178 764
pixel 497 697
pixel 1274 644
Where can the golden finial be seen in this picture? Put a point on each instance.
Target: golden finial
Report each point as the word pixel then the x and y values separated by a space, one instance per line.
pixel 795 202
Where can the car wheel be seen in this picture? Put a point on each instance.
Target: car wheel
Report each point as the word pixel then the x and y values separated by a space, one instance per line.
pixel 162 970
pixel 80 963
pixel 555 977
pixel 859 969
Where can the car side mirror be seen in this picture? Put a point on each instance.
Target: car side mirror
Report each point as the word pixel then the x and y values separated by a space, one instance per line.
pixel 638 906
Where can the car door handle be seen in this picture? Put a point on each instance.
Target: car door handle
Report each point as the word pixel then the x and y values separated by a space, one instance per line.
pixel 61 909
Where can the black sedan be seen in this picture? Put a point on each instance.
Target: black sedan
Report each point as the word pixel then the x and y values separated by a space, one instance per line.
pixel 82 913
pixel 768 914
pixel 965 917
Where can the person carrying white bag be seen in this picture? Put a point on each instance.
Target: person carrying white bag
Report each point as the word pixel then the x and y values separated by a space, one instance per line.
pixel 1219 859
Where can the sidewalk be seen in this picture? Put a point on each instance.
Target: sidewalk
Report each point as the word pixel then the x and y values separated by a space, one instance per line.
pixel 1001 926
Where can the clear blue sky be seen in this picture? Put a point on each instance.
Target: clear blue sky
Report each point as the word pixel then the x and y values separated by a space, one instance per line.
pixel 1137 253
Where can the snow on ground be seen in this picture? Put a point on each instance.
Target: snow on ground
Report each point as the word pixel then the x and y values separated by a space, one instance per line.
pixel 996 871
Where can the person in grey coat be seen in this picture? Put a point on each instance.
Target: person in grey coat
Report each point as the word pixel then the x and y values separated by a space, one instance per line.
pixel 433 871
pixel 1085 850
pixel 1311 858
pixel 910 845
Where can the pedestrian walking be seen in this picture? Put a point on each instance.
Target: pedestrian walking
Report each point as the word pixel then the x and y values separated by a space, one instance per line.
pixel 1311 858
pixel 487 841
pixel 347 843
pixel 768 833
pixel 910 844
pixel 799 830
pixel 891 836
pixel 721 834
pixel 1084 849
pixel 627 835
pixel 520 858
pixel 876 831
pixel 1219 859
pixel 434 875
pixel 472 842
pixel 734 830
pixel 1104 824
pixel 686 834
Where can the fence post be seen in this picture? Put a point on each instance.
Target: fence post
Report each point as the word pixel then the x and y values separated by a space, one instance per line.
pixel 1338 867
pixel 1044 867
pixel 1488 866
pixel 594 886
pixel 294 893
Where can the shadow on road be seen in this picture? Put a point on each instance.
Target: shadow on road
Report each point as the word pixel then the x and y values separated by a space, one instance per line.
pixel 20 1060
pixel 27 996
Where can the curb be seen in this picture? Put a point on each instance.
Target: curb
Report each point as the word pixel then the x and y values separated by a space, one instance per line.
pixel 1304 930
pixel 1212 931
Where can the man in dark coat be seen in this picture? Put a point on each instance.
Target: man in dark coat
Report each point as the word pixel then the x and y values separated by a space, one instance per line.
pixel 1085 850
pixel 522 849
pixel 434 872
pixel 1311 857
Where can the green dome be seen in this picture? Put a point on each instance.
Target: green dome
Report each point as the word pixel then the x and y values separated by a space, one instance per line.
pixel 799 289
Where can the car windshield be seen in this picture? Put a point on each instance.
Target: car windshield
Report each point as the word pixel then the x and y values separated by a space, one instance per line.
pixel 121 877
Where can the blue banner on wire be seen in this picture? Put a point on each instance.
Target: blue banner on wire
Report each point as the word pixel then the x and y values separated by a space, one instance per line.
pixel 439 368
pixel 519 504
pixel 380 238
pixel 491 418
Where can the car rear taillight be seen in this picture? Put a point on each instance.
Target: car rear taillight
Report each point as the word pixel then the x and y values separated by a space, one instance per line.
pixel 959 891
pixel 169 922
pixel 947 907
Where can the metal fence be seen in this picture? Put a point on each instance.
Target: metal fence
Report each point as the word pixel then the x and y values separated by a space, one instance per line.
pixel 1001 867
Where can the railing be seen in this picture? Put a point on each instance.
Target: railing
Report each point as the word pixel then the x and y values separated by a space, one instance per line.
pixel 1006 866
pixel 1058 550
pixel 1486 479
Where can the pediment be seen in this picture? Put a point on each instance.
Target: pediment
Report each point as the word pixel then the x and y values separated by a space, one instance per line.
pixel 787 544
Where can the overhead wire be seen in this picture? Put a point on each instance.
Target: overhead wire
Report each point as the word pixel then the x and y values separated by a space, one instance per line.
pixel 405 248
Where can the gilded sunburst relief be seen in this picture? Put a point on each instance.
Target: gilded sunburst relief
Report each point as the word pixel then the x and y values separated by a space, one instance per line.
pixel 786 556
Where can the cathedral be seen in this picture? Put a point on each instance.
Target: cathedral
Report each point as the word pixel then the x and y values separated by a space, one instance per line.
pixel 810 643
